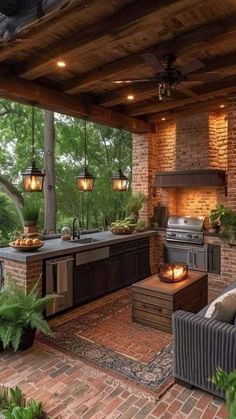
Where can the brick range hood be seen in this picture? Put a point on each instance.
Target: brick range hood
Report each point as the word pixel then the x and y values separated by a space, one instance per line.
pixel 200 178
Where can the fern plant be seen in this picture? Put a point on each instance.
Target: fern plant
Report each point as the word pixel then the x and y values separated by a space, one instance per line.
pixel 14 408
pixel 19 311
pixel 227 382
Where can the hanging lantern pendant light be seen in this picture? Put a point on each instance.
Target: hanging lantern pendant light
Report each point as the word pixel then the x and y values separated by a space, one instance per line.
pixel 119 180
pixel 33 177
pixel 85 181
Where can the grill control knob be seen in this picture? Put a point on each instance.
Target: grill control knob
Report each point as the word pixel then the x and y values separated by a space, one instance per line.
pixel 189 236
pixel 196 236
pixel 173 235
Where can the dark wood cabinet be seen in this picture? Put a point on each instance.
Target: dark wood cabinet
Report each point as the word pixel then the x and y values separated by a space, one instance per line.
pixel 116 272
pixel 214 259
pixel 90 281
pixel 98 278
pixel 128 263
pixel 82 284
pixel 130 267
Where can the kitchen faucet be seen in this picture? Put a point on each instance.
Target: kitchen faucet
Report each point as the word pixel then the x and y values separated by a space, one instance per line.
pixel 73 229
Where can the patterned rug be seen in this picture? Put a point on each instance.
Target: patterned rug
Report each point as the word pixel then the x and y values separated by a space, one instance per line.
pixel 102 333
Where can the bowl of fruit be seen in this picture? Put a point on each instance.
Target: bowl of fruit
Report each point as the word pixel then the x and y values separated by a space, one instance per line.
pixel 26 244
pixel 126 226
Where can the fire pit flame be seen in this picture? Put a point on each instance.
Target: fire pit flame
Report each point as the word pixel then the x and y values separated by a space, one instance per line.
pixel 173 272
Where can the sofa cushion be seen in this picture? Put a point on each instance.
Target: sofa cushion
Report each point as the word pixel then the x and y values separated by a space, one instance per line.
pixel 203 311
pixel 223 308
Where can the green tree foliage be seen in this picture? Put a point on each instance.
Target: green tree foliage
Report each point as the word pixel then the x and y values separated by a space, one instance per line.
pixel 9 220
pixel 97 208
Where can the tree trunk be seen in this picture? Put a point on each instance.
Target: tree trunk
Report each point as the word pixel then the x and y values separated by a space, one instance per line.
pixel 49 170
pixel 14 194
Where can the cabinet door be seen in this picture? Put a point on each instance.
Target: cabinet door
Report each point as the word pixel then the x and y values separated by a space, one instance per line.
pixel 178 253
pixel 199 257
pixel 99 278
pixel 143 263
pixel 82 275
pixel 116 272
pixel 214 258
pixel 130 267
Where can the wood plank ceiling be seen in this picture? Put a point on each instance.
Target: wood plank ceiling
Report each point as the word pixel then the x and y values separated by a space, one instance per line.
pixel 101 41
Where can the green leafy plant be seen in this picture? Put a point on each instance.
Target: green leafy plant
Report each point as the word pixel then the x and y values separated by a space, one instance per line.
pixel 20 311
pixel 218 214
pixel 30 211
pixel 141 225
pixel 13 405
pixel 227 382
pixel 134 204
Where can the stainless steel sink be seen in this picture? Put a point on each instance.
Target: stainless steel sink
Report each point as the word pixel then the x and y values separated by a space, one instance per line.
pixel 86 240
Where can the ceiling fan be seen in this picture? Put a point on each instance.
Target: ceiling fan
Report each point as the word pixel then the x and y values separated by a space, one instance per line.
pixel 169 76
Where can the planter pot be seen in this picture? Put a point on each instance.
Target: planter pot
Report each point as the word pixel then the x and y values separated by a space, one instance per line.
pixel 31 223
pixel 27 338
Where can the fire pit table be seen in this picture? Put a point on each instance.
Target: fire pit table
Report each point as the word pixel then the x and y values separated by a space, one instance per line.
pixel 154 301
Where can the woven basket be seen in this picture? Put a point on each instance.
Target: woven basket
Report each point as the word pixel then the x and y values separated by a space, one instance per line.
pixel 121 231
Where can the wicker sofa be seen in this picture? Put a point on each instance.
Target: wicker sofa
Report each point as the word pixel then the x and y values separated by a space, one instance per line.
pixel 200 346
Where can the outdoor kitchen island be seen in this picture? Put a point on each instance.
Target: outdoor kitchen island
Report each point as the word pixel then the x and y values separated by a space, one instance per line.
pixel 86 270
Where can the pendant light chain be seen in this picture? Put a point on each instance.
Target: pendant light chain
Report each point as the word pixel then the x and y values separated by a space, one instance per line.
pixel 33 130
pixel 85 141
pixel 119 151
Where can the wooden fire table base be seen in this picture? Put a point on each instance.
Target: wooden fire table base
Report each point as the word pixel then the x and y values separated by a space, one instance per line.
pixel 153 301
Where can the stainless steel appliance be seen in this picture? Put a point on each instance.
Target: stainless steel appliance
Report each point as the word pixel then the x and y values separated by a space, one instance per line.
pixel 184 242
pixel 59 280
pixel 185 229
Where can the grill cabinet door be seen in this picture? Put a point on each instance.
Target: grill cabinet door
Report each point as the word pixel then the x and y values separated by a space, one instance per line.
pixel 178 253
pixel 199 258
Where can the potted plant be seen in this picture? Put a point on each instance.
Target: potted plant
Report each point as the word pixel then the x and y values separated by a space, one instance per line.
pixel 141 226
pixel 21 316
pixel 30 213
pixel 134 205
pixel 216 216
pixel 227 382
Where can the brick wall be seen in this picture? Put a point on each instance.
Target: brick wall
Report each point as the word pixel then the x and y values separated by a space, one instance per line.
pixel 24 275
pixel 231 200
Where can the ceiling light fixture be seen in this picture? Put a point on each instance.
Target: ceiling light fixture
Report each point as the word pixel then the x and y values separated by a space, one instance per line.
pixel 119 180
pixel 130 97
pixel 85 181
pixel 61 64
pixel 163 119
pixel 33 177
pixel 222 106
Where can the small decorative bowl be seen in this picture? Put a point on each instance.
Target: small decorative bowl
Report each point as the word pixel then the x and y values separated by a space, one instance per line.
pixel 121 231
pixel 26 248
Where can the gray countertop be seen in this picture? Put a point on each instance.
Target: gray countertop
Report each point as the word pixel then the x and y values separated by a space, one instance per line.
pixel 57 247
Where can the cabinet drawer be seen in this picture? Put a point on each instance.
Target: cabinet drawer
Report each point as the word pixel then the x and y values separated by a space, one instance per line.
pixel 143 242
pixel 116 249
pixel 152 317
pixel 150 299
pixel 133 245
pixel 163 311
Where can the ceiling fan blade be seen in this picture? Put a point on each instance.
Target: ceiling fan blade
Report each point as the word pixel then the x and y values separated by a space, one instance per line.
pixel 153 61
pixel 129 81
pixel 204 77
pixel 191 66
pixel 183 89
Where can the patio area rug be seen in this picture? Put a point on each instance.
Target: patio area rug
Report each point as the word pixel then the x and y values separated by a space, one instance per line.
pixel 102 333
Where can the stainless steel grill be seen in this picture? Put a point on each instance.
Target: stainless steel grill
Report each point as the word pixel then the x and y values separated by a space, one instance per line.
pixel 185 229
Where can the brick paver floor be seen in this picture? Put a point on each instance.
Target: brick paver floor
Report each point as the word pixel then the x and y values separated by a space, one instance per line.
pixel 70 389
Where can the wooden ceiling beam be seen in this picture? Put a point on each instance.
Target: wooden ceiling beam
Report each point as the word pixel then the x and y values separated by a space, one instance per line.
pixel 142 91
pixel 205 92
pixel 128 16
pixel 24 91
pixel 183 43
pixel 208 105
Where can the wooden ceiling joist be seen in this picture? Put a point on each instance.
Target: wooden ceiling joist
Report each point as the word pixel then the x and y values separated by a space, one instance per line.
pixel 108 28
pixel 180 44
pixel 24 91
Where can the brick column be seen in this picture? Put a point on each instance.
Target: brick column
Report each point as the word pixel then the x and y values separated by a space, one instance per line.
pixel 25 275
pixel 144 169
pixel 231 199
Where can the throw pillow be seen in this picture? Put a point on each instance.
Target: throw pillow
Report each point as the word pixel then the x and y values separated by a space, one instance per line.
pixel 223 308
